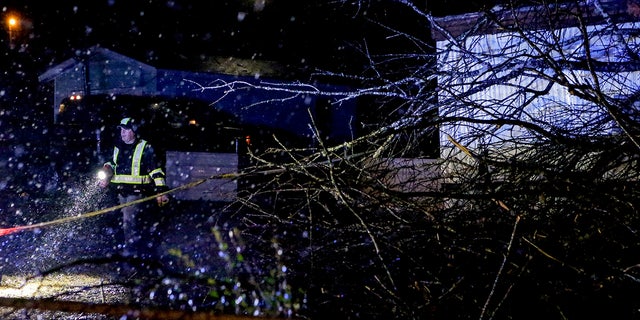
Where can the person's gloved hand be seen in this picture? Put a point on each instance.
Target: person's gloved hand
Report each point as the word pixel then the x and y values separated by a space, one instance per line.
pixel 162 200
pixel 103 183
pixel 104 176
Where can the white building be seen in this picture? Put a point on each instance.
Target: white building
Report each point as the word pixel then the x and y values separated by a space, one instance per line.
pixel 543 66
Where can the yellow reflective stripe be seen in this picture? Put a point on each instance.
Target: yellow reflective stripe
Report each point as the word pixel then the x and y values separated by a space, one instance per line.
pixel 137 157
pixel 121 178
pixel 136 160
pixel 159 182
pixel 115 155
pixel 156 171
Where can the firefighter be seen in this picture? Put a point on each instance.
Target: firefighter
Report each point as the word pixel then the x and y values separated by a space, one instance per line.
pixel 134 172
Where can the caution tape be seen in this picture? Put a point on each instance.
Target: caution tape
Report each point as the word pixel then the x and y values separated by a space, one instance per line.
pixel 233 175
pixel 7 231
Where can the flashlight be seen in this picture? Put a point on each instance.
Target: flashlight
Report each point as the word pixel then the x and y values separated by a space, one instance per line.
pixel 102 175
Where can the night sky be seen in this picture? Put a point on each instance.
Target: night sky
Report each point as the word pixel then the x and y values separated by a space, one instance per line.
pixel 172 34
pixel 177 33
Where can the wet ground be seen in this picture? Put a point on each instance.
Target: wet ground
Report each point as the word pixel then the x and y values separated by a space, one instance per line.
pixel 81 260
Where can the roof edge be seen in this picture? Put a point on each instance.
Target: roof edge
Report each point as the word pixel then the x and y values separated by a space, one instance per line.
pixel 501 19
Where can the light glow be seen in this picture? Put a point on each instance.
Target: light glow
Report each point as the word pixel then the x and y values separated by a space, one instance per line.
pixel 20 286
pixel 102 175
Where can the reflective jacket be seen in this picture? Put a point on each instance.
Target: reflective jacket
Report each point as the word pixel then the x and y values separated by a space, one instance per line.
pixel 136 170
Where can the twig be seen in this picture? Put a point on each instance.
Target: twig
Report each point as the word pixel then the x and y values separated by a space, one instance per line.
pixel 504 262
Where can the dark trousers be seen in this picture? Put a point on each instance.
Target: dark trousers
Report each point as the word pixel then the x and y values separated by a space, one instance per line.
pixel 138 226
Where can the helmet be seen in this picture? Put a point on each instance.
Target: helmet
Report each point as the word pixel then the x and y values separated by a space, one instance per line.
pixel 128 123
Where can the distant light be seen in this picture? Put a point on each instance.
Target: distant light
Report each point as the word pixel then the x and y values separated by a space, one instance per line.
pixel 75 97
pixel 12 21
pixel 193 122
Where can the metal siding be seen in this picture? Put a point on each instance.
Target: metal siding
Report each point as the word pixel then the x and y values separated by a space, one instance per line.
pixel 186 167
pixel 496 49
